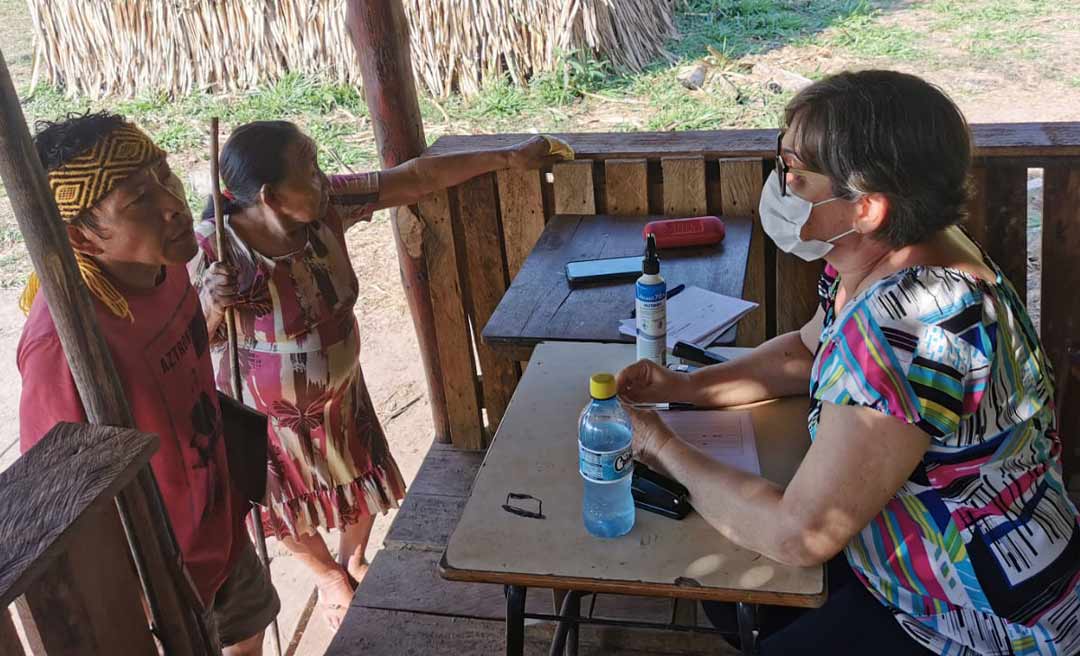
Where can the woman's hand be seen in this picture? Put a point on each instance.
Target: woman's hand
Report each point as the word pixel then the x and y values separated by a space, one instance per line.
pixel 650 435
pixel 219 288
pixel 534 153
pixel 647 382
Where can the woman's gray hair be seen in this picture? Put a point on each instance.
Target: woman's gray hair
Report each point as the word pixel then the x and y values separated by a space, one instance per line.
pixel 888 133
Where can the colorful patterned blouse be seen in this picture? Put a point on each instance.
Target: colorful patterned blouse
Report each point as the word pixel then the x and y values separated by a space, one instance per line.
pixel 979 551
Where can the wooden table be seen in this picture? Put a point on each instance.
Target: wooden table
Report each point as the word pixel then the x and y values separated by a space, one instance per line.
pixel 535 452
pixel 540 306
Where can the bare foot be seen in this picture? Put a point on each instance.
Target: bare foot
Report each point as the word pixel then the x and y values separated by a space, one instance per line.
pixel 335 595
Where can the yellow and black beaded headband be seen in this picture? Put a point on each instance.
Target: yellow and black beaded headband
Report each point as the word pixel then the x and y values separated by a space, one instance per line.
pixel 79 184
pixel 87 178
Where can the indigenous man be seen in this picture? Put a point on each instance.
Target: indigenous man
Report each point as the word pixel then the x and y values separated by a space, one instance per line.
pixel 132 232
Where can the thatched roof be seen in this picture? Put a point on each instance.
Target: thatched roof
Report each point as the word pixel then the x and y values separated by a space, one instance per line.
pixel 124 47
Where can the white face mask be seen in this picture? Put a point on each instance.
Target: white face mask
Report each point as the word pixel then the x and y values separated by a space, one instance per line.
pixel 783 218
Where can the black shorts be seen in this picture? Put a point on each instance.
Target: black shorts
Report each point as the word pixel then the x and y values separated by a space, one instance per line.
pixel 246 602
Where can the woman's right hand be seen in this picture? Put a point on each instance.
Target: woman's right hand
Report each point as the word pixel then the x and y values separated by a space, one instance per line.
pixel 647 382
pixel 220 287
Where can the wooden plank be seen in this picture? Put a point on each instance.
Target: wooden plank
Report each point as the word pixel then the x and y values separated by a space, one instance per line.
pixel 521 205
pixel 627 185
pixel 375 632
pixel 43 494
pixel 447 472
pixel 684 186
pixel 541 306
pixel 574 193
pixel 424 522
pixel 1060 308
pixel 410 580
pixel 976 218
pixel 9 637
pixel 452 329
pixel 1006 222
pixel 88 600
pixel 990 140
pixel 796 291
pixel 487 280
pixel 740 189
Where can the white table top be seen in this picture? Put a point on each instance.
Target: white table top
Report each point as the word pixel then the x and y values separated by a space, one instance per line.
pixel 535 452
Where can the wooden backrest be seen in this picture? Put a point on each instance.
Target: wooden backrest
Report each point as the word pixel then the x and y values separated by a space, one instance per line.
pixel 478 234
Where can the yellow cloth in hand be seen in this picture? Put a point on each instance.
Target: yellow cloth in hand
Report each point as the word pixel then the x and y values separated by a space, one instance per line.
pixel 559 147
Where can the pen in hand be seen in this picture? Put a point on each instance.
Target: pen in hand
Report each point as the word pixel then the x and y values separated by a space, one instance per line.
pixel 673 405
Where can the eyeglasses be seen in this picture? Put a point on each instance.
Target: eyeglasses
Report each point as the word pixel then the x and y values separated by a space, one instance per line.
pixel 782 168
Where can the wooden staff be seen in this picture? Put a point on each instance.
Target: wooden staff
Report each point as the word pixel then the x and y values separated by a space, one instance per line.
pixel 234 355
pixel 174 604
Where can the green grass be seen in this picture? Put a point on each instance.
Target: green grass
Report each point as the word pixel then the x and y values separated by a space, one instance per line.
pixel 954 14
pixel 992 29
pixel 327 111
pixel 862 34
pixel 994 42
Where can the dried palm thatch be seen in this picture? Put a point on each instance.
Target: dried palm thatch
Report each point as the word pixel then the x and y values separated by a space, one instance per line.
pixel 123 47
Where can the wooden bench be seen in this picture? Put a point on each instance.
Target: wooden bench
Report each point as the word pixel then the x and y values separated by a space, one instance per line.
pixel 404 607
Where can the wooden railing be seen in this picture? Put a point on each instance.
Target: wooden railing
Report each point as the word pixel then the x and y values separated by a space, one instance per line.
pixel 478 235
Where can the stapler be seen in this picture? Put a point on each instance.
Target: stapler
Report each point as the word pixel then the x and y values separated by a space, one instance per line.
pixel 658 493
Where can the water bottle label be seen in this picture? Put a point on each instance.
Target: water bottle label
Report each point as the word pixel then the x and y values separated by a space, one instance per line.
pixel 604 466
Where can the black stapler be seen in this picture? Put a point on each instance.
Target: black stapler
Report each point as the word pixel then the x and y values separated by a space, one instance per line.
pixel 658 493
pixel 696 354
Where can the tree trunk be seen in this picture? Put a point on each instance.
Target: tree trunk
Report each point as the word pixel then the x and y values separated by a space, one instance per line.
pixel 380 34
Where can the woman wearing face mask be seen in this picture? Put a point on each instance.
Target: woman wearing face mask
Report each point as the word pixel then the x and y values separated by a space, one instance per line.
pixel 933 487
pixel 293 289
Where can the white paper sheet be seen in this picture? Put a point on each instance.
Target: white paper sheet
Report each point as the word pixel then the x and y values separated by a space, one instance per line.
pixel 725 435
pixel 697 316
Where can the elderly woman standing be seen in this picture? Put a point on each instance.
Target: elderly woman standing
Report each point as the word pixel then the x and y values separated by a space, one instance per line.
pixel 293 288
pixel 935 466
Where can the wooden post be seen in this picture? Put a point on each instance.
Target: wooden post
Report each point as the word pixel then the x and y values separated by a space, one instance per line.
pixel 380 33
pixel 172 600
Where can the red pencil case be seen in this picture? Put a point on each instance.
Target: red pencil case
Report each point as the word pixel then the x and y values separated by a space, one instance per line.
pixel 678 233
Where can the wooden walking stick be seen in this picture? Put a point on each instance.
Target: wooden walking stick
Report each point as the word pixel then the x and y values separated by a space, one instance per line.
pixel 234 356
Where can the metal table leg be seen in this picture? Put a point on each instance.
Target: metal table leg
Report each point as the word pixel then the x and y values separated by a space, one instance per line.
pixel 515 620
pixel 747 624
pixel 565 640
pixel 573 610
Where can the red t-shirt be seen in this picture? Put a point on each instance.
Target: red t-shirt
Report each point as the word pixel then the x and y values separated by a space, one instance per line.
pixel 164 365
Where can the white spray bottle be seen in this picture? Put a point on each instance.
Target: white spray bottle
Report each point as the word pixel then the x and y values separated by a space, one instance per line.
pixel 651 309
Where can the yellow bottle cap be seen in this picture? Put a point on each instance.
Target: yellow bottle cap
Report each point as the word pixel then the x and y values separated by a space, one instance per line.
pixel 602 386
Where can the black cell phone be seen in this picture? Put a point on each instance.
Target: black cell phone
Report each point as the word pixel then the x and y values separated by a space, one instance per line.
pixel 610 268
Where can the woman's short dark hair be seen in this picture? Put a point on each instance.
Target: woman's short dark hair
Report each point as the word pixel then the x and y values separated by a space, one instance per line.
pixel 253 156
pixel 889 133
pixel 58 142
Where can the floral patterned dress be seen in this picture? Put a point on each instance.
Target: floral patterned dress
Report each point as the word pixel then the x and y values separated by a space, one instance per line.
pixel 299 349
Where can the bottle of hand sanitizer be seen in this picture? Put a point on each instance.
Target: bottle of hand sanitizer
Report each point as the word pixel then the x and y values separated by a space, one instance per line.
pixel 651 313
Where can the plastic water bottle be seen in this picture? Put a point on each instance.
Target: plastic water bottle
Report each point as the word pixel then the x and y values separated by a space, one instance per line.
pixel 605 462
pixel 651 308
